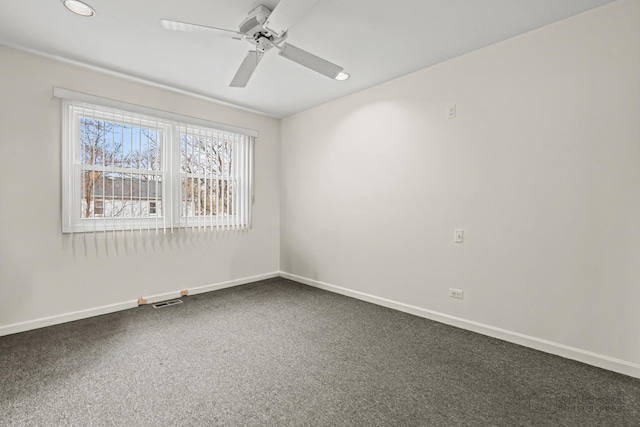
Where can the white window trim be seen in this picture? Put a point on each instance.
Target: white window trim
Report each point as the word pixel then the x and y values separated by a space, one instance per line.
pixel 171 172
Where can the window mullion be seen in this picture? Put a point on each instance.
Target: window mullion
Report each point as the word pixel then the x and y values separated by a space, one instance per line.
pixel 176 179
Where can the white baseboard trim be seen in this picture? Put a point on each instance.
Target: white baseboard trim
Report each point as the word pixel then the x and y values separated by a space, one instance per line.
pixel 64 318
pixel 97 311
pixel 231 283
pixel 568 352
pixel 152 299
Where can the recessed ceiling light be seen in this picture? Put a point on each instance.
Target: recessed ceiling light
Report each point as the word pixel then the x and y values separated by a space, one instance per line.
pixel 78 7
pixel 342 76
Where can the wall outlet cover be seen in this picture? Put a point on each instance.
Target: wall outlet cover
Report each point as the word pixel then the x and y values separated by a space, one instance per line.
pixel 456 293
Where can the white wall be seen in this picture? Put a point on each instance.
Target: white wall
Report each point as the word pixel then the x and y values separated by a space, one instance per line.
pixel 541 168
pixel 44 273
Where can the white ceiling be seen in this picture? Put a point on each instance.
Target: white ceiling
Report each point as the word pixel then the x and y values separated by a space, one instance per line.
pixel 374 40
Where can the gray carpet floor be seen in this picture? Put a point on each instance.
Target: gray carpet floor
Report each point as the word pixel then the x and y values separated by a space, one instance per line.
pixel 278 353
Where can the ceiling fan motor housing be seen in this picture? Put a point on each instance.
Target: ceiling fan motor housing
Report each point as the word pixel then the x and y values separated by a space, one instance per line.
pixel 263 44
pixel 254 21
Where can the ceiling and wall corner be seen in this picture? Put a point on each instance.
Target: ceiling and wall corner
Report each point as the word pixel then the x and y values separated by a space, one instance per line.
pixel 375 41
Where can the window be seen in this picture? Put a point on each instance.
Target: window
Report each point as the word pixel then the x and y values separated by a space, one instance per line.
pixel 123 170
pixel 98 208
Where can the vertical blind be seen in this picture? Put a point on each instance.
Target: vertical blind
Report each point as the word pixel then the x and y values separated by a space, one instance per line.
pixel 125 171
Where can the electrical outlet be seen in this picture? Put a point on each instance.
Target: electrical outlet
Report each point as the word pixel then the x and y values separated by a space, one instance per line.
pixel 456 293
pixel 458 235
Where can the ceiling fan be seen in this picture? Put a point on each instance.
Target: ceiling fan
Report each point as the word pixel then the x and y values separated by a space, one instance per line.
pixel 267 29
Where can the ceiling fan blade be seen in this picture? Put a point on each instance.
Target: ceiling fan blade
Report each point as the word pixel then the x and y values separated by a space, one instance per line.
pixel 246 69
pixel 184 26
pixel 286 13
pixel 310 60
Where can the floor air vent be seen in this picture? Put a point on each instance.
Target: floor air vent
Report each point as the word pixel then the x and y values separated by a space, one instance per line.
pixel 167 303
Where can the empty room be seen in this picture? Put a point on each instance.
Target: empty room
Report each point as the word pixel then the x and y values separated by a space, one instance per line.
pixel 320 213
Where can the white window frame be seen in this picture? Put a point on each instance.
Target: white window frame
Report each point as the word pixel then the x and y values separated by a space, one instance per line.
pixel 170 125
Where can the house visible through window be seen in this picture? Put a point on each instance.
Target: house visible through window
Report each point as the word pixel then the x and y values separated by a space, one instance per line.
pixel 128 171
pixel 98 207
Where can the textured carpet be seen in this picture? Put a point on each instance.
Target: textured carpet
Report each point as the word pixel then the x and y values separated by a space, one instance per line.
pixel 278 353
